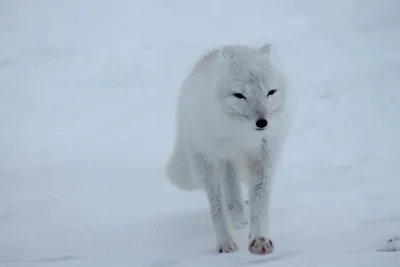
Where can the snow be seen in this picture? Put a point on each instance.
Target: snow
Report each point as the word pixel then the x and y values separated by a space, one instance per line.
pixel 87 100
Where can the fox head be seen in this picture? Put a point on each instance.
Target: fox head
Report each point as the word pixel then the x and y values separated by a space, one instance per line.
pixel 251 90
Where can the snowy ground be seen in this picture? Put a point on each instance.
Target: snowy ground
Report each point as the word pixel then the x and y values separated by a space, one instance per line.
pixel 87 97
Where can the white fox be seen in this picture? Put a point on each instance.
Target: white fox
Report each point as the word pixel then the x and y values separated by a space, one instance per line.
pixel 233 118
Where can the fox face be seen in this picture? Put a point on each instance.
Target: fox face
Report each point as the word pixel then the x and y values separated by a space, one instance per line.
pixel 252 91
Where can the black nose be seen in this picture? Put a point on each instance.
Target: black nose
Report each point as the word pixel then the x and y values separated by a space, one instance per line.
pixel 261 123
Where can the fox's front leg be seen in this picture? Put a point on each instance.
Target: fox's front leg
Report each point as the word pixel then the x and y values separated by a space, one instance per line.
pixel 212 186
pixel 259 198
pixel 233 197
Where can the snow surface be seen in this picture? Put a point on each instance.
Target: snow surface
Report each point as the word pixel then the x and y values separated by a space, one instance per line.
pixel 87 100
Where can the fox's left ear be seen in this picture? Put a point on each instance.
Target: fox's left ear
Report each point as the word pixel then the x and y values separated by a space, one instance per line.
pixel 266 49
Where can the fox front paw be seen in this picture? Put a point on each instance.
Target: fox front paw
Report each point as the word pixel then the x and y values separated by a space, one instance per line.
pixel 261 246
pixel 238 215
pixel 227 247
pixel 239 223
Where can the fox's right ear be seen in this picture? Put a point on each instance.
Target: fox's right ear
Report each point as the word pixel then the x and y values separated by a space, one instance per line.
pixel 227 52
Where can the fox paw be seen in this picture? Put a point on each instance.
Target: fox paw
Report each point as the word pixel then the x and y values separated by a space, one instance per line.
pixel 239 224
pixel 238 220
pixel 227 247
pixel 261 246
pixel 238 216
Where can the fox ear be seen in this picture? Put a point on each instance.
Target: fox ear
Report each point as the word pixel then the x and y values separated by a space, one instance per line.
pixel 266 49
pixel 227 52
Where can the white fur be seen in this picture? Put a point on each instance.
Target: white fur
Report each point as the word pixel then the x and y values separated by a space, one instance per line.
pixel 218 145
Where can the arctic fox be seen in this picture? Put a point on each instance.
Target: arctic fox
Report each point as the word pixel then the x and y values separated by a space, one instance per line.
pixel 233 118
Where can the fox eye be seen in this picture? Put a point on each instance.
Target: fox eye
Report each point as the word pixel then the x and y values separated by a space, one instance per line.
pixel 273 91
pixel 239 95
